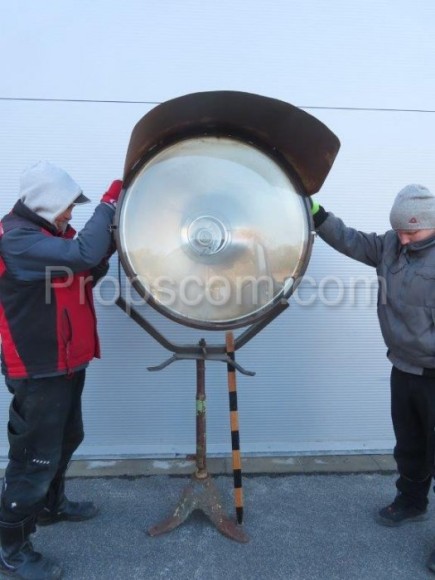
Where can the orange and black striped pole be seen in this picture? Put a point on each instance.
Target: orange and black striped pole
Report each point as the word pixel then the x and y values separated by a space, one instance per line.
pixel 234 422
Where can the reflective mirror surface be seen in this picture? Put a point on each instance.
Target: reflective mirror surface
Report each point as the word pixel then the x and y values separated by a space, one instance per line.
pixel 213 232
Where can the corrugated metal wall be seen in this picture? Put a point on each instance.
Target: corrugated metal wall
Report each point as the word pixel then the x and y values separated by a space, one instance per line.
pixel 76 77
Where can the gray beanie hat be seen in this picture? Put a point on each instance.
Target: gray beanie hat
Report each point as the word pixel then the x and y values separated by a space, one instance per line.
pixel 48 190
pixel 413 209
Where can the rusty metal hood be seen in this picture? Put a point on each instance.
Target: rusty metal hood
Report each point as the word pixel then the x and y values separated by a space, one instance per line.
pixel 299 141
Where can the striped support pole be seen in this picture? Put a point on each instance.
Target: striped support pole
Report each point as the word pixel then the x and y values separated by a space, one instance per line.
pixel 235 437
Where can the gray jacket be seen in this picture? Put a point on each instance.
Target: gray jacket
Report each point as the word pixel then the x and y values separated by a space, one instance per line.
pixel 406 295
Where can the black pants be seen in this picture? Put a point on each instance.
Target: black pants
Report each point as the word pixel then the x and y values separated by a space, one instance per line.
pixel 45 428
pixel 413 415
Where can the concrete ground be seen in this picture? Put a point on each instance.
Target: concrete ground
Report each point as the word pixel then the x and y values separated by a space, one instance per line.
pixel 307 518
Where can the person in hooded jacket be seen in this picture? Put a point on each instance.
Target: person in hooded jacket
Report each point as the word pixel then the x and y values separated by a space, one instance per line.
pixel 404 258
pixel 49 335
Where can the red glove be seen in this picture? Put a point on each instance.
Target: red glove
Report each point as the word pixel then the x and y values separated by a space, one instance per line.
pixel 112 194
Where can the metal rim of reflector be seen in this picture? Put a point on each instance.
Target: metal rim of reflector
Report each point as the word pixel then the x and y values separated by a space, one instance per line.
pixel 213 233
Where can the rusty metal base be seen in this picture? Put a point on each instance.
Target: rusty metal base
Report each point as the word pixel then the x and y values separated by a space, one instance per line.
pixel 201 494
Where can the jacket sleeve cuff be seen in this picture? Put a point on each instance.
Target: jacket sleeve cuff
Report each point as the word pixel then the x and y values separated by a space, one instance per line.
pixel 320 216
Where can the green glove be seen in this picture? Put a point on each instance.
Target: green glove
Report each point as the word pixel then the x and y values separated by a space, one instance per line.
pixel 315 206
pixel 318 212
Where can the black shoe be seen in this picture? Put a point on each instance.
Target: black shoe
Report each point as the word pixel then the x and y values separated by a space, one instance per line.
pixel 29 565
pixel 68 511
pixel 431 561
pixel 18 559
pixel 399 512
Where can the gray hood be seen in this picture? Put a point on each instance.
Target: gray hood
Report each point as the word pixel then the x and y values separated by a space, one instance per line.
pixel 49 191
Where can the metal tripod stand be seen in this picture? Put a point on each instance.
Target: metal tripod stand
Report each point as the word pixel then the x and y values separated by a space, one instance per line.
pixel 201 494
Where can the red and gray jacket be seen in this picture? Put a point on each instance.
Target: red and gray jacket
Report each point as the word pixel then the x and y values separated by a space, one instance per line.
pixel 47 317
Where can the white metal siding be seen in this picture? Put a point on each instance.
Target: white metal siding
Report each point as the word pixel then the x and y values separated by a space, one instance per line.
pixel 75 78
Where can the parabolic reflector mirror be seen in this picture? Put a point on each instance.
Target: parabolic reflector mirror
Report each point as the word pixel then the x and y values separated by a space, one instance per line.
pixel 214 232
pixel 213 227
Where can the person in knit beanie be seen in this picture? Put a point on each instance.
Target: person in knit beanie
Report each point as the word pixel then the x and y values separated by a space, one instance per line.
pixel 413 210
pixel 404 258
pixel 48 337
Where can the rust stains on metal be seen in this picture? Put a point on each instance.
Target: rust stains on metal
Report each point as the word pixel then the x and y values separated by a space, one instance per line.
pixel 299 141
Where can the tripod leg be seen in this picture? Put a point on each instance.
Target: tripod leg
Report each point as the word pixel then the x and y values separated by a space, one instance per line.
pixel 185 507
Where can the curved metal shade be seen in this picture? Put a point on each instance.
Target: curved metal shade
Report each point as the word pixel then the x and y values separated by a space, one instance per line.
pixel 213 232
